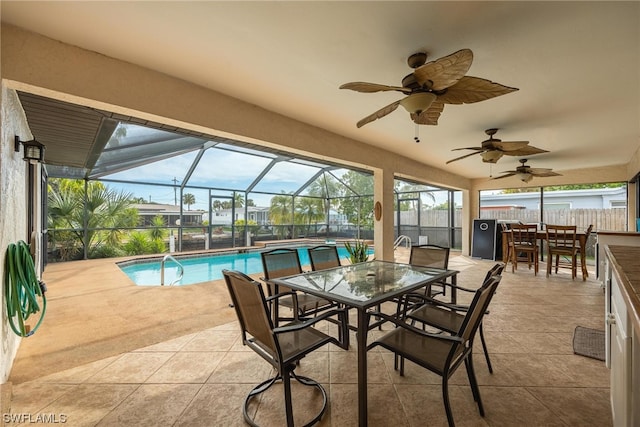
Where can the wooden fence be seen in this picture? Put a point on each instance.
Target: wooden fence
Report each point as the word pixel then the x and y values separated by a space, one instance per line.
pixel 602 219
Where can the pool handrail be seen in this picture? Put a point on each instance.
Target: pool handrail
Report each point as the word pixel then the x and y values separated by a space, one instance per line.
pixel 181 269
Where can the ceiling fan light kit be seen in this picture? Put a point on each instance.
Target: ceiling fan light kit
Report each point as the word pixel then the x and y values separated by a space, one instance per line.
pixel 418 102
pixel 491 156
pixel 524 177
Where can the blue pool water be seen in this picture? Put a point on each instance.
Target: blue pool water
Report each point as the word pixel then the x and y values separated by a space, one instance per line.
pixel 203 268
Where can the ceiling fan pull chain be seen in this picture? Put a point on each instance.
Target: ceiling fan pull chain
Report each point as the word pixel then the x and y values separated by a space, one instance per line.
pixel 417 137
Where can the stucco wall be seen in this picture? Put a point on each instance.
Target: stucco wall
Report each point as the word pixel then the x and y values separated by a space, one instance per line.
pixel 13 221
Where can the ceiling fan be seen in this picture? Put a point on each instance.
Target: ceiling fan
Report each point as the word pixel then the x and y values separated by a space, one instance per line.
pixel 492 149
pixel 526 173
pixel 431 85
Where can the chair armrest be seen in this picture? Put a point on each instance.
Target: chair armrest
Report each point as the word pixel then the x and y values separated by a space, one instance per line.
pixel 305 322
pixel 460 288
pixel 281 294
pixel 402 324
pixel 428 300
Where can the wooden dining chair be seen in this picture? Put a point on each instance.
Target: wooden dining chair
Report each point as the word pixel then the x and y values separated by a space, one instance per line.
pixel 562 244
pixel 283 347
pixel 524 246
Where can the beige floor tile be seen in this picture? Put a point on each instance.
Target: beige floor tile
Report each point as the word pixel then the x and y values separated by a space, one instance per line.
pixel 187 367
pixel 134 367
pixel 87 404
pixel 152 404
pixel 241 367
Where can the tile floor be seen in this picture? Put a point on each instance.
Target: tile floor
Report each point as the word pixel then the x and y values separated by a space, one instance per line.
pixel 201 379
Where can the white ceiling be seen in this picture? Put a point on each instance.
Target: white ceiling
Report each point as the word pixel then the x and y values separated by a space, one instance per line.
pixel 576 64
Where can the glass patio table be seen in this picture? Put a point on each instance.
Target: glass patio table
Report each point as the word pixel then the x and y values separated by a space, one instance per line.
pixel 363 286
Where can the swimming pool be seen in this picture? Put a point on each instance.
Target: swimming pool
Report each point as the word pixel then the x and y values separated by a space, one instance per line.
pixel 203 267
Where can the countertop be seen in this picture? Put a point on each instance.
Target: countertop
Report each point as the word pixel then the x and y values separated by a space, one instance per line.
pixel 626 267
pixel 617 233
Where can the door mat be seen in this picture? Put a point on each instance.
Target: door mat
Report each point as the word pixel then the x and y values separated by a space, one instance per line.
pixel 588 342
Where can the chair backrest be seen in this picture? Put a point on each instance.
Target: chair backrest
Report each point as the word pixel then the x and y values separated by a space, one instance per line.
pixel 589 230
pixel 430 256
pixel 561 236
pixel 525 234
pixel 251 308
pixel 280 262
pixel 323 257
pixel 478 308
pixel 496 270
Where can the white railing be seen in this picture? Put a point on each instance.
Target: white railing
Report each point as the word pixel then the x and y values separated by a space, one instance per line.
pixel 402 238
pixel 180 270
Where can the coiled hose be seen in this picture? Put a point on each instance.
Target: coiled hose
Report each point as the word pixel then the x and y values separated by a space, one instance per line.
pixel 22 289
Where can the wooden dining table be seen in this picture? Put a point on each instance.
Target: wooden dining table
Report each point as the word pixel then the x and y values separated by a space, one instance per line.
pixel 541 235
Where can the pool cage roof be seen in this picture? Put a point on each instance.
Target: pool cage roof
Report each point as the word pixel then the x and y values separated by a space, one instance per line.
pixel 86 143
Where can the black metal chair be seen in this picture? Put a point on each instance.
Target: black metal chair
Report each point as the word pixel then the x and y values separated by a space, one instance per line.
pixel 282 347
pixel 442 353
pixel 449 317
pixel 283 262
pixel 323 257
pixel 431 256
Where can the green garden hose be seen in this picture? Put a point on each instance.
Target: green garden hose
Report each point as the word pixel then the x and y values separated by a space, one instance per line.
pixel 22 289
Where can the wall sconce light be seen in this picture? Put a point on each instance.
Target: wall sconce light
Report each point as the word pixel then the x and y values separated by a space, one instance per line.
pixel 33 150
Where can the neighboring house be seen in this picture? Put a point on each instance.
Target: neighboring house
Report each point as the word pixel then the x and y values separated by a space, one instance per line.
pixel 170 214
pixel 254 213
pixel 599 198
pixel 261 216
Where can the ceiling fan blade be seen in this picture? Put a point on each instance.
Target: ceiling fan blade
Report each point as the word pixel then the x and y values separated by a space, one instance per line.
pixel 543 172
pixel 510 145
pixel 429 116
pixel 446 71
pixel 463 157
pixel 373 87
pixel 468 148
pixel 526 151
pixel 473 89
pixel 510 173
pixel 378 114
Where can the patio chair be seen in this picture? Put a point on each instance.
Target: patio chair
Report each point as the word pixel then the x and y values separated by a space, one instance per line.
pixel 283 262
pixel 283 347
pixel 561 243
pixel 524 246
pixel 323 257
pixel 442 353
pixel 431 256
pixel 447 317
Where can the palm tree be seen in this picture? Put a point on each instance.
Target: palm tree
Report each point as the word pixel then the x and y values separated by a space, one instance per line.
pixel 281 212
pixel 188 199
pixel 105 209
pixel 308 210
pixel 239 199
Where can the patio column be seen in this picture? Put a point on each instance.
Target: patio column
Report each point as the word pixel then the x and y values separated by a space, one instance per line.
pixel 383 229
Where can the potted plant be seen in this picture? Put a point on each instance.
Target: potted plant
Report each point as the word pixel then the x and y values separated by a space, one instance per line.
pixel 358 252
